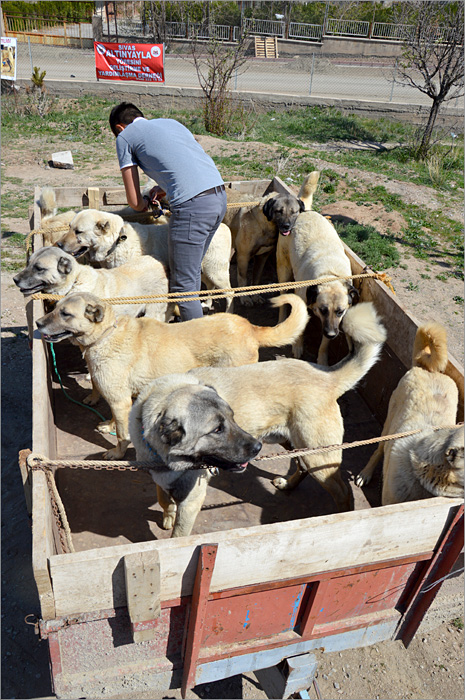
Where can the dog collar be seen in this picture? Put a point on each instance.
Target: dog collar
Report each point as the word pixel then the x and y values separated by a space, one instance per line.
pixel 121 237
pixel 109 330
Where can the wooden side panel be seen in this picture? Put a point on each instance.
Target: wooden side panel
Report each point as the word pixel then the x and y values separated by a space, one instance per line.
pixel 94 580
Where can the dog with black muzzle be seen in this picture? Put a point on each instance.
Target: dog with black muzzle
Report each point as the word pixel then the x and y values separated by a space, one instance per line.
pixel 312 251
pixel 190 431
pixel 255 232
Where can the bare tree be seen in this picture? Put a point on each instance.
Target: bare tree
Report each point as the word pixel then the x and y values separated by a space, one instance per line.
pixel 158 23
pixel 432 55
pixel 216 62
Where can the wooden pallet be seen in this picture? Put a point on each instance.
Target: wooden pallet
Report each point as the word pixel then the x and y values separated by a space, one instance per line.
pixel 266 47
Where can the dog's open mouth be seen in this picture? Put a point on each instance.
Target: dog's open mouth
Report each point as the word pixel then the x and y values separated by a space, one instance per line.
pixel 80 251
pixel 224 464
pixel 56 337
pixel 27 291
pixel 285 233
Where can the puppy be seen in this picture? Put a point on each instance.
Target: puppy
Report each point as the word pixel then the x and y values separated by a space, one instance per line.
pixel 314 250
pixel 255 232
pixel 431 462
pixel 110 241
pixel 52 271
pixel 289 400
pixel 124 354
pixel 187 427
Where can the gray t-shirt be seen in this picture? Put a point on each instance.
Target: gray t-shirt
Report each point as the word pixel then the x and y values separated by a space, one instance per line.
pixel 168 153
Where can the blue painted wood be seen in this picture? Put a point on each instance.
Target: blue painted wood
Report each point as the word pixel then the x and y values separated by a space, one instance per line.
pixel 225 668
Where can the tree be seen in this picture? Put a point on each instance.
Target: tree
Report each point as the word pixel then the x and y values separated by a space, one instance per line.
pixel 432 55
pixel 216 62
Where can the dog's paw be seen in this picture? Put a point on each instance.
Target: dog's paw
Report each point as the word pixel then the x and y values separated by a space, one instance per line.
pixel 114 453
pixel 281 483
pixel 106 427
pixel 91 399
pixel 362 480
pixel 168 520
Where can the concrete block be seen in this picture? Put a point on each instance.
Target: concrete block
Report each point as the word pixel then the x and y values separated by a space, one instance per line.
pixel 63 159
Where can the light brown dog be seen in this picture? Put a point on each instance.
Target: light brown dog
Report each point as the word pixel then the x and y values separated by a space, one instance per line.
pixel 289 400
pixel 429 463
pixel 52 271
pixel 255 232
pixel 187 427
pixel 314 250
pixel 110 241
pixel 123 355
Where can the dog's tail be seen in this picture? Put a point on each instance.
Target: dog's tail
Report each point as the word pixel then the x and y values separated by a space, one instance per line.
pixel 308 189
pixel 368 334
pixel 287 332
pixel 47 203
pixel 430 347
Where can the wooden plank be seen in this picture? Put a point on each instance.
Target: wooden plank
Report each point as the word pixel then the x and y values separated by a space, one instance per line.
pixel 203 577
pixel 94 579
pixel 93 194
pixel 142 575
pixel 42 543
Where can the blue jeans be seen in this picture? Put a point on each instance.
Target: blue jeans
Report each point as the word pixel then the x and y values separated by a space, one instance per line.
pixel 192 226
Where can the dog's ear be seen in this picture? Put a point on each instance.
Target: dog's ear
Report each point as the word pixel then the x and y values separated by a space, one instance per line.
pixel 301 205
pixel 94 313
pixel 354 294
pixel 64 266
pixel 103 225
pixel 268 208
pixel 312 294
pixel 171 431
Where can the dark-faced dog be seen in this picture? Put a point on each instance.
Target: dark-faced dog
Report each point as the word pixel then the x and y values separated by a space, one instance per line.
pixel 190 431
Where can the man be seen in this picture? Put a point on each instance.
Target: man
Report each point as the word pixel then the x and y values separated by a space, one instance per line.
pixel 168 153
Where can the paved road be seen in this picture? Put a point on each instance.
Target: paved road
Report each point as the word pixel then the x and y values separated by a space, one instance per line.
pixel 277 77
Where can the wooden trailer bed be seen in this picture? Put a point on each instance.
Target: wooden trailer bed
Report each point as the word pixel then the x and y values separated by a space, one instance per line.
pixel 265 575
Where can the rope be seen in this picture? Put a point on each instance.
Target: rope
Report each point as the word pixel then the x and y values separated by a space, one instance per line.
pixel 440 580
pixel 53 487
pixel 36 461
pixel 223 293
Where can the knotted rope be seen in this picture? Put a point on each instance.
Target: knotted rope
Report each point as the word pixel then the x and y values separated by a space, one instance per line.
pixel 223 293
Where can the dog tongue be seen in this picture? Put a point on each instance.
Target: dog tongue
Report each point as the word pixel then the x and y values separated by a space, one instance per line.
pixel 285 233
pixel 245 464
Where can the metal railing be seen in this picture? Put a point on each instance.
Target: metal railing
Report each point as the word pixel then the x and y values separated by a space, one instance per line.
pixel 45 27
pixel 176 29
pixel 264 26
pixel 396 32
pixel 299 30
pixel 346 27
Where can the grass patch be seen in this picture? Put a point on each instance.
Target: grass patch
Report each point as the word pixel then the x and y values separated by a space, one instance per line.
pixel 16 204
pixel 457 622
pixel 377 251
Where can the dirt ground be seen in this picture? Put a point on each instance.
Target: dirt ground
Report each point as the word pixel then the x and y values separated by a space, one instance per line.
pixel 432 667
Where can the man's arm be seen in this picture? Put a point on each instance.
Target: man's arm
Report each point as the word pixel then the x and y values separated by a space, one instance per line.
pixel 132 186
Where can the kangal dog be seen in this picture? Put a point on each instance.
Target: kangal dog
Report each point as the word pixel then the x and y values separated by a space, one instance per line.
pixel 187 427
pixel 289 400
pixel 431 462
pixel 110 241
pixel 124 354
pixel 314 250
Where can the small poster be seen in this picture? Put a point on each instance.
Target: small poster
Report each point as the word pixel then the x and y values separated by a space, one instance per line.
pixel 8 58
pixel 142 62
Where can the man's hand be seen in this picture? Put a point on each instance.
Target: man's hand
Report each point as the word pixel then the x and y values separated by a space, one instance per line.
pixel 155 194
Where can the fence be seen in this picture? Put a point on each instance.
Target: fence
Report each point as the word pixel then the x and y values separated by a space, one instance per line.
pixel 315 75
pixel 346 27
pixel 299 30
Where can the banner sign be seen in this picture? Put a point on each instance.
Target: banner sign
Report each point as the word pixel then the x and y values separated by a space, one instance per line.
pixel 143 62
pixel 8 58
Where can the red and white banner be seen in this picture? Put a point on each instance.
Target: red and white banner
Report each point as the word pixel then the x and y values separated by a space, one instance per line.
pixel 143 62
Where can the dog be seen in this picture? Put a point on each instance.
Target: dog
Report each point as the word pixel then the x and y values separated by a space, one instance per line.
pixel 314 250
pixel 292 401
pixel 255 232
pixel 123 354
pixel 8 59
pixel 187 427
pixel 52 271
pixel 52 223
pixel 110 241
pixel 429 463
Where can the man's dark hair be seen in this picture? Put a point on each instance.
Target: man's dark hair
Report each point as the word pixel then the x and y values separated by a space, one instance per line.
pixel 124 113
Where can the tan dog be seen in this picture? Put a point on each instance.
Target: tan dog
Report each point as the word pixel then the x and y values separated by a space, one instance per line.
pixel 255 232
pixel 289 400
pixel 314 250
pixel 431 462
pixel 110 241
pixel 123 355
pixel 52 271
pixel 186 427
pixel 52 223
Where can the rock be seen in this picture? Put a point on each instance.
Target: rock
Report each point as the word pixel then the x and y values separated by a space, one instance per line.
pixel 336 685
pixel 63 159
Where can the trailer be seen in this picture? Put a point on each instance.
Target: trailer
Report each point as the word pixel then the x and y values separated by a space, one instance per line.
pixel 266 582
